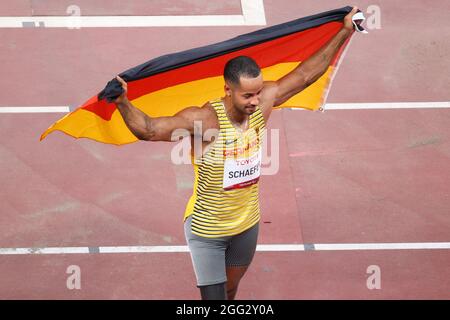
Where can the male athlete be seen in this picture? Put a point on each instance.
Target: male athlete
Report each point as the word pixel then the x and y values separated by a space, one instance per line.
pixel 221 218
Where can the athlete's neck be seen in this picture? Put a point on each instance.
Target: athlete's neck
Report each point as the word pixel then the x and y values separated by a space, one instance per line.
pixel 235 115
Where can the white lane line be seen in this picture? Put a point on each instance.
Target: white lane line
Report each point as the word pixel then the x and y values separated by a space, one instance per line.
pixel 55 250
pixel 387 105
pixel 384 105
pixel 46 109
pixel 252 14
pixel 329 106
pixel 381 246
pixel 260 248
pixel 144 249
pixel 280 247
pixel 121 21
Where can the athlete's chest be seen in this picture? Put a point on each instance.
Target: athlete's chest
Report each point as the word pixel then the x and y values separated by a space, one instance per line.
pixel 228 140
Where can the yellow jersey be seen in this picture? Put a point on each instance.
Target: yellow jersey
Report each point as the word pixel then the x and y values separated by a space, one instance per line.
pixel 225 199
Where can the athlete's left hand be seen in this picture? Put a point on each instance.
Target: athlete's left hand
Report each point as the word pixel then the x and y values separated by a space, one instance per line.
pixel 348 23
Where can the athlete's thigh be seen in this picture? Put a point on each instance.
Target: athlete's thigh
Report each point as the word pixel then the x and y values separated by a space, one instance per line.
pixel 242 247
pixel 208 257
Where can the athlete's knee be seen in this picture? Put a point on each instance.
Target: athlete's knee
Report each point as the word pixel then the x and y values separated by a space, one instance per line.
pixel 235 274
pixel 232 287
pixel 214 292
pixel 232 284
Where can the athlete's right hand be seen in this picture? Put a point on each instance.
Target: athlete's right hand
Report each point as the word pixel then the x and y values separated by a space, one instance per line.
pixel 123 97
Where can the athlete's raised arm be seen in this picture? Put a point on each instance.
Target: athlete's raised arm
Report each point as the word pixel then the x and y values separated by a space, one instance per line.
pixel 314 67
pixel 155 129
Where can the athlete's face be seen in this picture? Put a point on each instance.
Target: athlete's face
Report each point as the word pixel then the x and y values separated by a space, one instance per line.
pixel 246 95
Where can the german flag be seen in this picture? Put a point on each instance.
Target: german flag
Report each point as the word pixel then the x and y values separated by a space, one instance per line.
pixel 167 84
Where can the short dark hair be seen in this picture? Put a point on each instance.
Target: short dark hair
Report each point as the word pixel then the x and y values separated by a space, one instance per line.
pixel 241 66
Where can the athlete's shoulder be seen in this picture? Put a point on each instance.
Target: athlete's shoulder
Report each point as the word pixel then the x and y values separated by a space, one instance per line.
pixel 196 112
pixel 209 114
pixel 208 108
pixel 205 114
